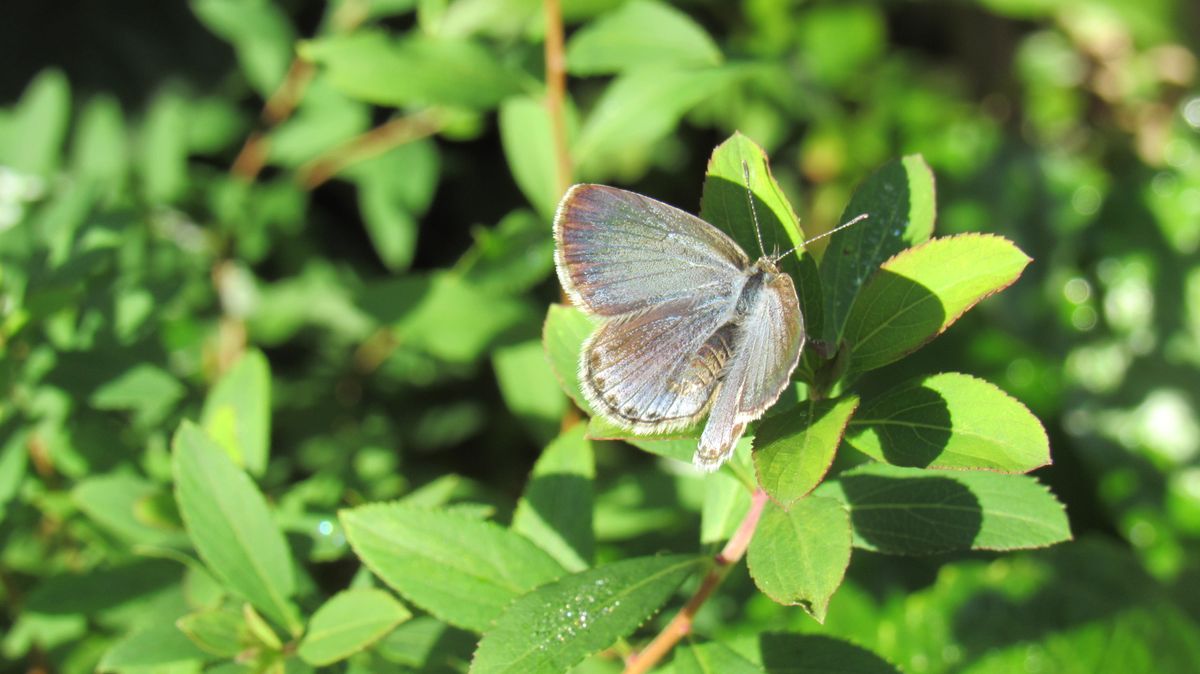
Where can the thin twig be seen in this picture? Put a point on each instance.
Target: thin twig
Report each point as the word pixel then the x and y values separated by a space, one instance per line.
pixel 681 624
pixel 556 93
pixel 253 155
pixel 556 97
pixel 375 142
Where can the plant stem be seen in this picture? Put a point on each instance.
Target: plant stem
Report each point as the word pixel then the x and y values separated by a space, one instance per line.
pixel 375 142
pixel 681 624
pixel 253 155
pixel 556 93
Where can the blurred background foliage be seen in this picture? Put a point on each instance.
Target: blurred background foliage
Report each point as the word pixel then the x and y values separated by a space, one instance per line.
pixel 361 190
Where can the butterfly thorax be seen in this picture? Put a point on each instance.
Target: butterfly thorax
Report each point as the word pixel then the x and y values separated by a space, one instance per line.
pixel 760 275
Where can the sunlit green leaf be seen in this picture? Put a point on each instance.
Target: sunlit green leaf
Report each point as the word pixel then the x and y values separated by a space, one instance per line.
pixel 231 526
pixel 563 335
pixel 260 33
pixel 530 387
pixel 157 647
pixel 370 66
pixel 919 512
pixel 799 556
pixel 555 512
pixel 920 292
pixel 458 568
pixel 348 623
pixel 556 626
pixel 38 126
pixel 237 412
pixel 639 108
pixel 950 420
pixel 899 202
pixel 527 133
pixel 640 33
pixel 794 449
pixel 219 631
pixel 710 658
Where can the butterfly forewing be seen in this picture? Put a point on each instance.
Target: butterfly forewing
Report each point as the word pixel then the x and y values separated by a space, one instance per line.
pixel 618 253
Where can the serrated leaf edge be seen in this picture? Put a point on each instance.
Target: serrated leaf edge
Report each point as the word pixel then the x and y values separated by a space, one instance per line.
pixel 949 320
pixel 962 469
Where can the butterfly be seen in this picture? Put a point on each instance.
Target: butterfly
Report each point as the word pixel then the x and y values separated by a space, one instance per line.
pixel 690 326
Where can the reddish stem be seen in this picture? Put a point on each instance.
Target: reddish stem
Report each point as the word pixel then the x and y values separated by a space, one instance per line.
pixel 723 561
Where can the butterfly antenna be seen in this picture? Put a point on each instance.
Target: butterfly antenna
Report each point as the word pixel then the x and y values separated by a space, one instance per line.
pixel 753 211
pixel 818 237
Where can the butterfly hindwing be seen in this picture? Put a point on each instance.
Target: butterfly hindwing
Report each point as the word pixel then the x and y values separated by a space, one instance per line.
pixel 655 371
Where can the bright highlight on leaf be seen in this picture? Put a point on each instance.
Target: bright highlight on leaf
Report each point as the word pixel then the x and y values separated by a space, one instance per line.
pixel 237 413
pixel 920 292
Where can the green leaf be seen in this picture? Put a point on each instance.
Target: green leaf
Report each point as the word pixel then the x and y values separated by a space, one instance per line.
pixel 899 200
pixel 724 203
pixel 100 149
pixel 231 527
pixel 813 654
pixel 917 512
pixel 555 512
pixel 461 569
pixel 444 315
pixel 950 420
pixel 679 446
pixel 920 292
pixel 38 126
pixel 260 33
pixel 237 412
pixel 349 622
pixel 220 631
pixel 511 257
pixel 154 648
pixel 163 152
pixel 424 643
pixel 394 190
pixel 528 139
pixel 726 502
pixel 145 389
pixel 793 450
pixel 563 335
pixel 638 109
pixel 637 34
pixel 799 556
pixel 370 66
pixel 116 502
pixel 556 626
pixel 324 119
pixel 13 459
pixel 712 658
pixel 529 386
